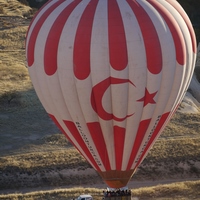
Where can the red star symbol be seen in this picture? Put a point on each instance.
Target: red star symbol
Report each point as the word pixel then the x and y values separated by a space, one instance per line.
pixel 148 98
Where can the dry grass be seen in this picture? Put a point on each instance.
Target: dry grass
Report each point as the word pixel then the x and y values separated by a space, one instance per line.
pixel 183 125
pixel 13 39
pixel 177 191
pixel 14 76
pixel 13 8
pixel 61 194
pixel 176 148
pixel 179 149
pixel 70 158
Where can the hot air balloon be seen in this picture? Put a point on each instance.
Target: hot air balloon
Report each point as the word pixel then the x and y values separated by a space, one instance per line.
pixel 110 74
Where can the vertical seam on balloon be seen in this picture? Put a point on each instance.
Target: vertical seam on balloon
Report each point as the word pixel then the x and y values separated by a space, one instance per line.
pixel 109 9
pixel 110 89
pixel 128 95
pixel 109 79
pixel 132 5
pixel 52 42
pixel 105 162
pixel 117 45
pixel 128 105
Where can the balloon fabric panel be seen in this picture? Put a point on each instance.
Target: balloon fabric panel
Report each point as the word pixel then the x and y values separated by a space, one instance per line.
pixel 111 74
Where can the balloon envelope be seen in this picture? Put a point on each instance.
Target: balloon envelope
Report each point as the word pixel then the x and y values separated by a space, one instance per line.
pixel 110 73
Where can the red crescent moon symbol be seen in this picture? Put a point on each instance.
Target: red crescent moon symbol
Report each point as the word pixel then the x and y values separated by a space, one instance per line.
pixel 97 96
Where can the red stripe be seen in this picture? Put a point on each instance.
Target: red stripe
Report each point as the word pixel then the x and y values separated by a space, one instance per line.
pixel 175 31
pixel 82 42
pixel 177 6
pixel 51 47
pixel 98 139
pixel 150 38
pixel 72 128
pixel 119 137
pixel 35 31
pixel 155 133
pixel 117 38
pixel 138 140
